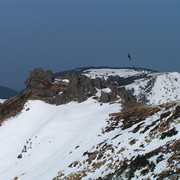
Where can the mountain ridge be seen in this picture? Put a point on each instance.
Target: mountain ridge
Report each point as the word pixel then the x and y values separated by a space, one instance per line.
pixel 82 69
pixel 92 126
pixel 6 92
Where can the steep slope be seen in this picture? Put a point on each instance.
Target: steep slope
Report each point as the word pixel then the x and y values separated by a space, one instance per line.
pixel 46 134
pixel 145 146
pixel 80 127
pixel 158 89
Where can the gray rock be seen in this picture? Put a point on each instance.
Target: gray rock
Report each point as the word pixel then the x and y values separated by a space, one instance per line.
pixel 105 97
pixel 98 83
pixel 79 89
pixel 39 79
pixel 19 156
pixel 128 99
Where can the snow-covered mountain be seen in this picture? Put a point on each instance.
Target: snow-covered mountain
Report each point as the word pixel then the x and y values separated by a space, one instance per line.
pixel 6 92
pixel 147 86
pixel 99 124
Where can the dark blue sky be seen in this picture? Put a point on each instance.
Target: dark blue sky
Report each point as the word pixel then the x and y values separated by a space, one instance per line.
pixel 66 34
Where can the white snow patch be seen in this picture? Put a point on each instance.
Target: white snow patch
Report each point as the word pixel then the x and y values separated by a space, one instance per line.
pixel 2 100
pixel 106 90
pixel 61 80
pixel 65 80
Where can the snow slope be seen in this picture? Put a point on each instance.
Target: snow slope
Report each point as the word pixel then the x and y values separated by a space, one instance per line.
pixel 158 89
pixel 54 139
pixel 49 134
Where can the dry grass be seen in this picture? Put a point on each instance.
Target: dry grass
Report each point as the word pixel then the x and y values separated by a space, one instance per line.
pixel 13 106
pixel 133 141
pixel 121 150
pixel 105 155
pixel 130 116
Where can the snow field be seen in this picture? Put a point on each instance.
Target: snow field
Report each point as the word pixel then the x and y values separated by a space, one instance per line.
pixel 104 73
pixel 165 88
pixel 50 133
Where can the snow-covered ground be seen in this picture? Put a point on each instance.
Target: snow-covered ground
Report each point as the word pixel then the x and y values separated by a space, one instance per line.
pixel 50 138
pixel 104 73
pixel 2 100
pixel 49 133
pixel 160 88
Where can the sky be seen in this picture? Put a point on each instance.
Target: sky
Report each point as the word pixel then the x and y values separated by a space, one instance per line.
pixel 66 34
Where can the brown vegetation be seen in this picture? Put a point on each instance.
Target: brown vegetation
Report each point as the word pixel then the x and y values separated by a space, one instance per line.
pixel 130 116
pixel 14 105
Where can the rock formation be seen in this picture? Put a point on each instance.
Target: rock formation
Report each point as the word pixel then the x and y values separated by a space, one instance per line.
pixel 39 78
pixel 77 87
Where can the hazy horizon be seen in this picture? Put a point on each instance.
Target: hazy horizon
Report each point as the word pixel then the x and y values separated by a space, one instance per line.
pixel 62 35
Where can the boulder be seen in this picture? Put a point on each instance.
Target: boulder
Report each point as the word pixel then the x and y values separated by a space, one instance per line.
pixel 98 83
pixel 128 99
pixel 19 156
pixel 105 97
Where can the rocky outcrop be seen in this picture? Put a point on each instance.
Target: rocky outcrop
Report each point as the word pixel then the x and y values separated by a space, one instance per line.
pixel 39 79
pixel 128 100
pixel 77 87
pixel 14 105
pixel 80 88
pixel 38 87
